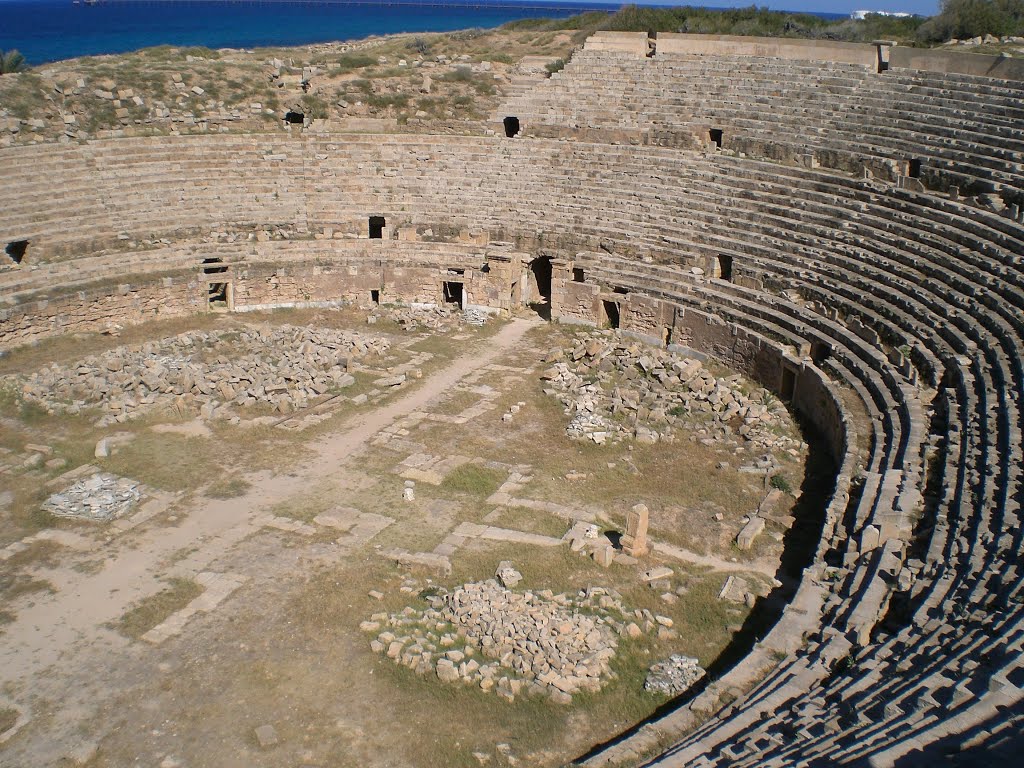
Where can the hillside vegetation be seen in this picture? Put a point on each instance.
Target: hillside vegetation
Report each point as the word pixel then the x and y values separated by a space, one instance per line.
pixel 957 19
pixel 447 82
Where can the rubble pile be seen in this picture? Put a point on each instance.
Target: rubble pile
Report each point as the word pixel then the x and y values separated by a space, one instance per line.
pixel 615 388
pixel 512 643
pixel 418 317
pixel 284 367
pixel 101 497
pixel 674 675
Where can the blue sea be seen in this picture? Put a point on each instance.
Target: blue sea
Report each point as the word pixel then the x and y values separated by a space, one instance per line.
pixel 50 30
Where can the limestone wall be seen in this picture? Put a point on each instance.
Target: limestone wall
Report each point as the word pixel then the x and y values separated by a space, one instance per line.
pixel 101 308
pixel 633 43
pixel 672 44
pixel 775 270
pixel 956 63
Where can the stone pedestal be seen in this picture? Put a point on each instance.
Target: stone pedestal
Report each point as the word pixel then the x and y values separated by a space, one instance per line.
pixel 634 542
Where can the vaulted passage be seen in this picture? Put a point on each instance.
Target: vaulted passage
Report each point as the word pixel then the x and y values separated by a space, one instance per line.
pixel 377 224
pixel 611 313
pixel 16 250
pixel 540 286
pixel 453 294
pixel 511 126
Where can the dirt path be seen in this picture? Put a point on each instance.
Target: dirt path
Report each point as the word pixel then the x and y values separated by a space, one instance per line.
pixel 336 448
pixel 66 628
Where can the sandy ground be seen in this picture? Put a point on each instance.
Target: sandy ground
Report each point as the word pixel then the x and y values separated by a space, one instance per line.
pixel 48 653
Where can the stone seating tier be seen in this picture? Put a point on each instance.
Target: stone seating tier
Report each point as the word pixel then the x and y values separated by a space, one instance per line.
pixel 826 110
pixel 917 299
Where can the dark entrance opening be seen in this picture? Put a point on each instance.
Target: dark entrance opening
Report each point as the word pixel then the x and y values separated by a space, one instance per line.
pixel 511 126
pixel 715 134
pixel 17 250
pixel 453 294
pixel 375 297
pixel 725 266
pixel 540 295
pixel 667 337
pixel 820 352
pixel 217 295
pixel 882 58
pixel 377 224
pixel 788 384
pixel 652 43
pixel 611 312
pixel 214 266
pixel 620 290
pixel 578 276
pixel 914 168
pixel 294 118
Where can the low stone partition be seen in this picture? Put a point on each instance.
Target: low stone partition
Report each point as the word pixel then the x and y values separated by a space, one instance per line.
pixel 956 63
pixel 672 44
pixel 254 276
pixel 621 42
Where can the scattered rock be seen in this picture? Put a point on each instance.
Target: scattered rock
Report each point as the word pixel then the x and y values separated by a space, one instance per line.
pixel 101 497
pixel 535 642
pixel 206 371
pixel 266 736
pixel 508 575
pixel 674 675
pixel 615 388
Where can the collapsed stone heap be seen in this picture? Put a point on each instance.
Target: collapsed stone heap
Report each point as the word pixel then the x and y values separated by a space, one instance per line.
pixel 614 388
pixel 101 497
pixel 284 367
pixel 674 675
pixel 431 318
pixel 533 643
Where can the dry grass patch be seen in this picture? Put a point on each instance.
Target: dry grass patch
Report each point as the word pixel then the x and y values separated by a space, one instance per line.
pixel 473 480
pixel 530 520
pixel 456 402
pixel 14 586
pixel 37 554
pixel 152 610
pixel 308 505
pixel 227 487
pixel 8 718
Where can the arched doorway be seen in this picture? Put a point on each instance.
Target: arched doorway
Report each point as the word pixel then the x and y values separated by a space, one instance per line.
pixel 539 298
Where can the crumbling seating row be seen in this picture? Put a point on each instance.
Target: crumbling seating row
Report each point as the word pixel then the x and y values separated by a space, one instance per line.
pixel 937 274
pixel 845 109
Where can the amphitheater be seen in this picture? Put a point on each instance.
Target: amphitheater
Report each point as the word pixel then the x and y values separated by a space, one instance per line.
pixel 843 224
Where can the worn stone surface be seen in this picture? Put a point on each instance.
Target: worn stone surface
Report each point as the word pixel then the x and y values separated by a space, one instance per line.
pixel 101 497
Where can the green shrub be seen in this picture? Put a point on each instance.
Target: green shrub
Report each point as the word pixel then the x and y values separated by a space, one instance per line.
pixel 350 61
pixel 460 74
pixel 12 61
pixel 555 66
pixel 199 52
pixel 974 18
pixel 385 100
pixel 780 483
pixel 314 107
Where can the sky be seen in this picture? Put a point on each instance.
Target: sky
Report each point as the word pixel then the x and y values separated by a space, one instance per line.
pixel 923 7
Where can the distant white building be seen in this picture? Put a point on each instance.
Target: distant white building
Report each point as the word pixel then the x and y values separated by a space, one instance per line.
pixel 861 14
